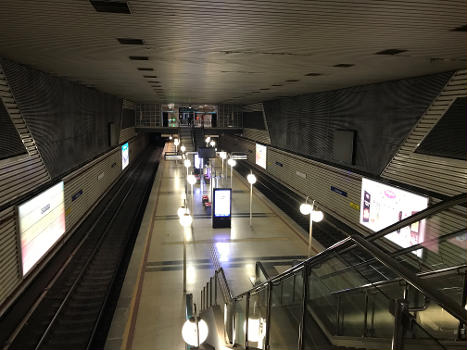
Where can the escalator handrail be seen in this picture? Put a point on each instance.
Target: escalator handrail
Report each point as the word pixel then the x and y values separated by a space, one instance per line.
pixel 400 252
pixel 430 211
pixel 355 237
pixel 425 275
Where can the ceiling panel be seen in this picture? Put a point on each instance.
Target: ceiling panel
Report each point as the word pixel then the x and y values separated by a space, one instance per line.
pixel 234 51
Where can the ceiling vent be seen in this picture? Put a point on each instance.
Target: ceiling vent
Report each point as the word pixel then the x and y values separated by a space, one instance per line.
pixel 150 76
pixel 292 81
pixel 265 89
pixel 139 58
pixel 460 29
pixel 313 74
pixel 343 65
pixel 145 69
pixel 276 85
pixel 129 41
pixel 390 52
pixel 110 6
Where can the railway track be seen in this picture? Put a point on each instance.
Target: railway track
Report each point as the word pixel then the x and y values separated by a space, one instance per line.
pixel 71 309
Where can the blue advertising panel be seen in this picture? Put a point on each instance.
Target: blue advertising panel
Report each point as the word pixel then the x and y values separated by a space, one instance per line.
pixel 222 207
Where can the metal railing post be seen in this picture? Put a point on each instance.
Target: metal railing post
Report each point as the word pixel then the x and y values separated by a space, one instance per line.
pixel 400 309
pixel 210 291
pixel 338 316
pixel 365 316
pixel 201 300
pixel 215 288
pixel 246 319
pixel 301 326
pixel 461 329
pixel 268 317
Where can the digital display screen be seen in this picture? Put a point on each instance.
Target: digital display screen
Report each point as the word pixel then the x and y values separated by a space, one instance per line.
pixel 222 205
pixel 261 155
pixel 125 156
pixel 41 224
pixel 382 205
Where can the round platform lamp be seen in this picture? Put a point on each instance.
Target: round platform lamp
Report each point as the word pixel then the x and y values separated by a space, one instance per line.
pixel 191 179
pixel 182 148
pixel 176 143
pixel 251 180
pixel 170 137
pixel 195 331
pixel 232 163
pixel 315 215
pixel 207 140
pixel 212 143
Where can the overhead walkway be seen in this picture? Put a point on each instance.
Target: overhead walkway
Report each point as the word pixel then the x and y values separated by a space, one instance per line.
pixel 415 300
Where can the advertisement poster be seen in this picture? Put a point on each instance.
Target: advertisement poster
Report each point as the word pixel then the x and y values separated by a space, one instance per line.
pixel 261 155
pixel 41 224
pixel 125 156
pixel 382 205
pixel 222 200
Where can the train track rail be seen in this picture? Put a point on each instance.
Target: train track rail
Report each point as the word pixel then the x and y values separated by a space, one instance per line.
pixel 70 311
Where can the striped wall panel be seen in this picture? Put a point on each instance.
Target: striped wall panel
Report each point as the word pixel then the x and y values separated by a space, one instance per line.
pixel 314 179
pixel 229 115
pixel 290 170
pixel 261 136
pixel 126 134
pixel 25 172
pixel 255 107
pixel 9 255
pixel 127 104
pixel 441 175
pixel 85 179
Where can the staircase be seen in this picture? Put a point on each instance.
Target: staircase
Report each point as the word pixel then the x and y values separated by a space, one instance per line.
pixel 186 138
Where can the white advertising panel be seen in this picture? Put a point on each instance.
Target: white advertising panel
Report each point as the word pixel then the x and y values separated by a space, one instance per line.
pixel 125 156
pixel 41 224
pixel 222 203
pixel 382 205
pixel 261 155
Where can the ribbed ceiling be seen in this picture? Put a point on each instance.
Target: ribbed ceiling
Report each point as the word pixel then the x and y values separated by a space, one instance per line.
pixel 239 51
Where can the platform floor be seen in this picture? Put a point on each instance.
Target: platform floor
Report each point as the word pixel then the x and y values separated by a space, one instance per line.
pixel 151 309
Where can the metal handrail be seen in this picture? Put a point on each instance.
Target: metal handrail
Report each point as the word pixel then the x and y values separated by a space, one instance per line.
pixel 432 210
pixel 424 275
pixel 399 252
pixel 355 239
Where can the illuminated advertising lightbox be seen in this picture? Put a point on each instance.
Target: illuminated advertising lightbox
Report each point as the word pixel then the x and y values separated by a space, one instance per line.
pixel 41 223
pixel 125 156
pixel 261 155
pixel 222 207
pixel 382 205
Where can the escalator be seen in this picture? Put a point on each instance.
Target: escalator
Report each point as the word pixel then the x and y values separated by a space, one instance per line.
pixel 392 298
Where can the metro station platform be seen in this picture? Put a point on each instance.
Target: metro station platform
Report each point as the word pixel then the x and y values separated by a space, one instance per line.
pixel 151 309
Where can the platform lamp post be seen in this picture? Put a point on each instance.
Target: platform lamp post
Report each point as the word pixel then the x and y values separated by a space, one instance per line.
pixel 212 143
pixel 315 215
pixel 176 143
pixel 251 179
pixel 182 148
pixel 185 220
pixel 223 156
pixel 191 179
pixel 232 163
pixel 207 140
